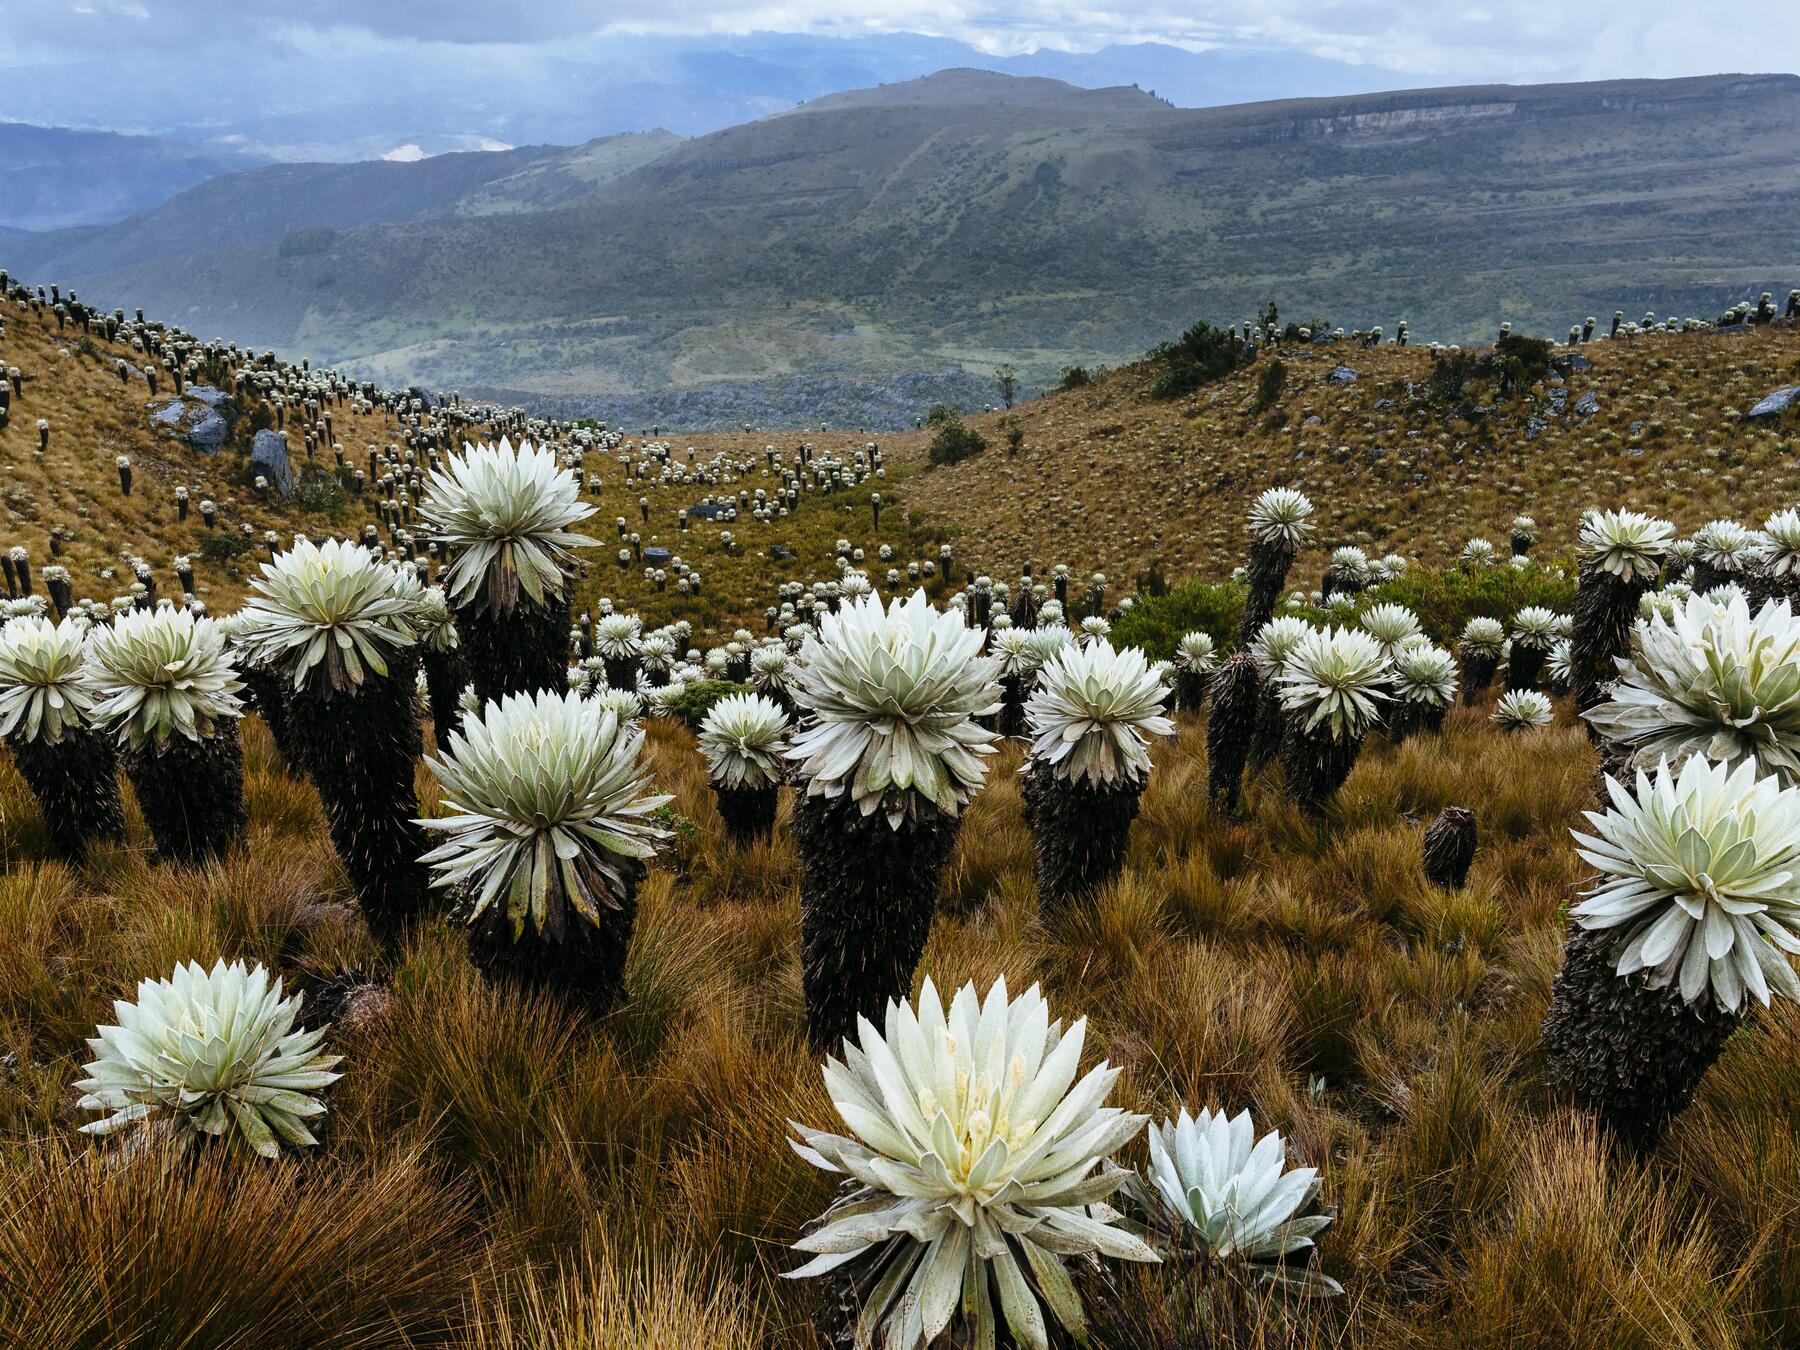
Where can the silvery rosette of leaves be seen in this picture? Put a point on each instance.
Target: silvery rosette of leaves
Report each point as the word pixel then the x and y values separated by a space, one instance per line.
pixel 1781 544
pixel 1393 626
pixel 1211 1180
pixel 1711 680
pixel 1483 636
pixel 507 514
pixel 1275 642
pixel 1523 710
pixel 1012 648
pixel 544 794
pixel 1726 545
pixel 1281 516
pixel 616 636
pixel 1535 627
pixel 1046 640
pixel 1700 880
pixel 1334 677
pixel 1195 654
pixel 1425 675
pixel 891 696
pixel 978 1152
pixel 1093 712
pixel 1627 544
pixel 329 608
pixel 1478 553
pixel 1350 562
pixel 210 1054
pixel 743 739
pixel 427 611
pixel 159 673
pixel 43 684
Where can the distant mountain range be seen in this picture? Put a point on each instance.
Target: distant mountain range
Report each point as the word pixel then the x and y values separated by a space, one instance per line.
pixel 936 227
pixel 290 103
pixel 52 178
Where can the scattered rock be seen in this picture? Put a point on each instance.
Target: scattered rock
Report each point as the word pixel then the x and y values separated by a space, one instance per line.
pixel 1776 403
pixel 269 457
pixel 1384 403
pixel 203 422
pixel 1587 405
pixel 1635 429
pixel 1535 427
pixel 209 433
pixel 1342 375
pixel 1313 421
pixel 656 556
pixel 781 553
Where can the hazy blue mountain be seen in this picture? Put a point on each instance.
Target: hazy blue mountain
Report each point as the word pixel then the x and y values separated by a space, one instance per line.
pixel 293 105
pixel 51 178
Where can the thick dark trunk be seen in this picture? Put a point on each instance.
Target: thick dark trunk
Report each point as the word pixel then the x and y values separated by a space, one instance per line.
pixel 446 676
pixel 1190 690
pixel 192 793
pixel 1236 692
pixel 523 652
pixel 360 753
pixel 1079 833
pixel 77 789
pixel 1630 1054
pixel 1704 577
pixel 1449 848
pixel 1524 667
pixel 867 896
pixel 748 812
pixel 1315 764
pixel 1605 610
pixel 1012 706
pixel 621 671
pixel 1271 726
pixel 1477 674
pixel 268 700
pixel 581 962
pixel 1267 575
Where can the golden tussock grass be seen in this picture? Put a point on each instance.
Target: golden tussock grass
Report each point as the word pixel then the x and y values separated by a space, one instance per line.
pixel 504 1171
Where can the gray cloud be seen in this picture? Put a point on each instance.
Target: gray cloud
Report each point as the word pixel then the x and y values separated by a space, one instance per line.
pixel 1501 39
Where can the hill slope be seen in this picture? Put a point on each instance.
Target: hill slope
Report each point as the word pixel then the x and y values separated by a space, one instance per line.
pixel 1109 478
pixel 968 218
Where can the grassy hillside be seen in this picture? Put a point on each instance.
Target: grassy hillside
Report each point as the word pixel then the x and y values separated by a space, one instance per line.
pixel 1110 478
pixel 968 218
pixel 500 1171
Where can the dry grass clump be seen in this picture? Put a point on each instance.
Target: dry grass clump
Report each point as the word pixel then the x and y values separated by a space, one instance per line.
pixel 499 1169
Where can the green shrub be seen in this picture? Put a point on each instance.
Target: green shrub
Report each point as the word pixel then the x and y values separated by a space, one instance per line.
pixel 697 700
pixel 1447 598
pixel 955 442
pixel 223 545
pixel 1197 357
pixel 1074 377
pixel 1157 622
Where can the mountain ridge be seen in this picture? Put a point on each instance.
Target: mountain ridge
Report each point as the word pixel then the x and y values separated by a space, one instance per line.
pixel 909 228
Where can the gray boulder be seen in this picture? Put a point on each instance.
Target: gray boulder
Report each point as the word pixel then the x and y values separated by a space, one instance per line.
pixel 269 457
pixel 1776 403
pixel 208 433
pixel 1342 375
pixel 1587 405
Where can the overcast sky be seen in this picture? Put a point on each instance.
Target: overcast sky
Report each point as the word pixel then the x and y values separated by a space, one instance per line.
pixel 1498 40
